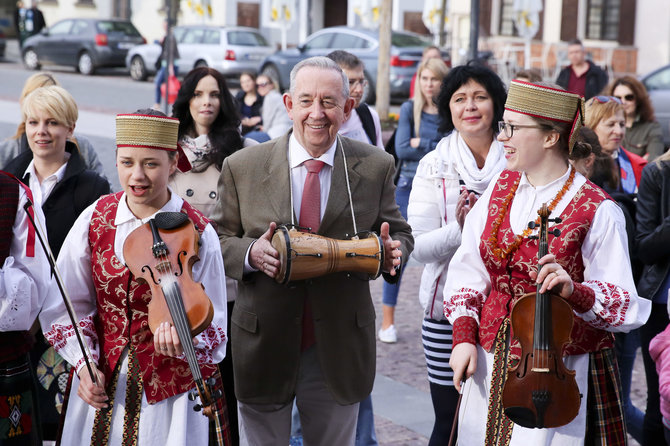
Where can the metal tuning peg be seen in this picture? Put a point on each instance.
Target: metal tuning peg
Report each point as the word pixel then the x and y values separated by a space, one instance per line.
pixel 211 381
pixel 532 225
pixel 556 232
pixel 192 395
pixel 217 394
pixel 197 407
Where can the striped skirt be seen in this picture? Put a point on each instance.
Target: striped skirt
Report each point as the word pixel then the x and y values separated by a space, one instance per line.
pixel 437 344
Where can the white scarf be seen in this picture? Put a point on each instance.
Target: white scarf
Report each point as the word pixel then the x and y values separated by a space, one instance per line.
pixel 459 156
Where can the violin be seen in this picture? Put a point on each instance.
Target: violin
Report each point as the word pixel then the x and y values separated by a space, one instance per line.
pixel 161 253
pixel 540 391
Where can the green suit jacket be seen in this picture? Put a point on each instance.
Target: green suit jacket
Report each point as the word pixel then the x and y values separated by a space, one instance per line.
pixel 266 321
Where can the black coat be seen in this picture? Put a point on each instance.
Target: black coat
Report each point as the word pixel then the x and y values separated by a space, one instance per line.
pixel 596 79
pixel 75 192
pixel 653 227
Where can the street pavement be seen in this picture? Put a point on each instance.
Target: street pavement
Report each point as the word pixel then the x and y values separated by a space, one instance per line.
pixel 401 399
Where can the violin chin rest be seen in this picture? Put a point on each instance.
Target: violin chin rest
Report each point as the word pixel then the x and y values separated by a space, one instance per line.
pixel 170 220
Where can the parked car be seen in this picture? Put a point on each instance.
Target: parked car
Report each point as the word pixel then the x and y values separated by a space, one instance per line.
pixel 86 44
pixel 231 50
pixel 406 51
pixel 658 85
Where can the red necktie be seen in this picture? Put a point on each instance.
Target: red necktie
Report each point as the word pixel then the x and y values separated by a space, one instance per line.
pixel 310 217
pixel 310 207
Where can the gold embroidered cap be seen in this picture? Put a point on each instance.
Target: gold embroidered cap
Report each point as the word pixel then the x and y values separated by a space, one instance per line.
pixel 548 103
pixel 151 132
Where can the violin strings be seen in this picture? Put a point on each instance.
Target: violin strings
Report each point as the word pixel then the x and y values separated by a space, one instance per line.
pixel 173 297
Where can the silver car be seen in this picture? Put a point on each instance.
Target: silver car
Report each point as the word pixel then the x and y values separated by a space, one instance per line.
pixel 230 50
pixel 406 52
pixel 658 86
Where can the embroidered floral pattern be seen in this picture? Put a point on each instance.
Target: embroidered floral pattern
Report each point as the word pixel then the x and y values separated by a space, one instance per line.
pixel 60 334
pixel 471 300
pixel 614 306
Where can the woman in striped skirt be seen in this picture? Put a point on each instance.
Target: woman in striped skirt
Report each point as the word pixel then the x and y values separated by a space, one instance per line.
pixel 447 183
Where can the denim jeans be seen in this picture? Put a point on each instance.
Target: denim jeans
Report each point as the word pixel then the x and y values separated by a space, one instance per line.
pixel 404 187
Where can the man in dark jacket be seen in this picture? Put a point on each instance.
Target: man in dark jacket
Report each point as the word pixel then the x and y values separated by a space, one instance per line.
pixel 581 76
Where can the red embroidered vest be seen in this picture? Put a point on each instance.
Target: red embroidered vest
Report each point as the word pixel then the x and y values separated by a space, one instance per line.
pixel 120 298
pixel 510 277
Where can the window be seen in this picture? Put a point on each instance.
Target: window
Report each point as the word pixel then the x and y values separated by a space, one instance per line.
pixel 246 38
pixel 507 27
pixel 112 26
pixel 193 36
pixel 406 40
pixel 347 41
pixel 658 81
pixel 602 20
pixel 212 37
pixel 79 28
pixel 61 27
pixel 321 41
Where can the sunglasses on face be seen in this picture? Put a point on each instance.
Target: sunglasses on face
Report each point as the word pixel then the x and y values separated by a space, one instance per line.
pixel 606 99
pixel 627 98
pixel 262 84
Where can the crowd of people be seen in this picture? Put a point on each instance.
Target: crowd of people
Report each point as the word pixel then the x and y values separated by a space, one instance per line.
pixel 90 357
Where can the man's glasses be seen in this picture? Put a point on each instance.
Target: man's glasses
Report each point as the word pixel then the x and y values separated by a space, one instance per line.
pixel 627 98
pixel 354 82
pixel 606 99
pixel 508 129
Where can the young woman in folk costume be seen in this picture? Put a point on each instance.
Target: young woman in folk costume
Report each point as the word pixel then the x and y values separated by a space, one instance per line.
pixel 587 266
pixel 144 378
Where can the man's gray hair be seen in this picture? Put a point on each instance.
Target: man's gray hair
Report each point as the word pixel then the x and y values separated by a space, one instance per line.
pixel 323 63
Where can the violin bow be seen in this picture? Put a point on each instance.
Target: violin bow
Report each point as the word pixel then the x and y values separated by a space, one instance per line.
pixel 59 281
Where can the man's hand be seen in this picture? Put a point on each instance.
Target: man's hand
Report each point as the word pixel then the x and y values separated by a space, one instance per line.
pixel 392 253
pixel 92 394
pixel 263 256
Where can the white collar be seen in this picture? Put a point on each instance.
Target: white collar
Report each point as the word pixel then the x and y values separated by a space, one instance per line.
pixel 59 174
pixel 298 154
pixel 124 214
pixel 560 180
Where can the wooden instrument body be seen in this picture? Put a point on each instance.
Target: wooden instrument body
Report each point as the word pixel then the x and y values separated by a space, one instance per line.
pixel 305 256
pixel 177 265
pixel 540 392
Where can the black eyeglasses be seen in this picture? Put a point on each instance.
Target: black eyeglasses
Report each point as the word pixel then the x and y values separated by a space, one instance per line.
pixel 508 129
pixel 627 98
pixel 606 99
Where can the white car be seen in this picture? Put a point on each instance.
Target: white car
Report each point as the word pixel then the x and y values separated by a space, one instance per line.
pixel 230 50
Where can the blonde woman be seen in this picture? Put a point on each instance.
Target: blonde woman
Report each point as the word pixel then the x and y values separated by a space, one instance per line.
pixel 417 134
pixel 12 147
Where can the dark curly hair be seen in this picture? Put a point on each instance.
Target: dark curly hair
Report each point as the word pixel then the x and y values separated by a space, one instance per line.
pixel 643 103
pixel 461 75
pixel 224 135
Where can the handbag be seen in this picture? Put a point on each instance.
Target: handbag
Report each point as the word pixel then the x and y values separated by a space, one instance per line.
pixel 174 84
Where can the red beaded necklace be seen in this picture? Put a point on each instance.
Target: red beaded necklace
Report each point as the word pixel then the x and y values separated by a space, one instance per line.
pixel 501 253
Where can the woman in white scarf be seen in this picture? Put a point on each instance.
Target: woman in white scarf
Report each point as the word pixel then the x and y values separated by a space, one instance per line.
pixel 447 183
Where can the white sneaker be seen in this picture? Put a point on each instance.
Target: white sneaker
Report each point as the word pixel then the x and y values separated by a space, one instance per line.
pixel 388 335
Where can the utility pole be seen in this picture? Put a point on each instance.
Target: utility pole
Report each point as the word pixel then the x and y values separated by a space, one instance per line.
pixel 383 66
pixel 443 15
pixel 474 28
pixel 172 9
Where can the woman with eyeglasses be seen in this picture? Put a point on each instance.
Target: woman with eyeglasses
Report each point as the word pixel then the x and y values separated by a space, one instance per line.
pixel 447 183
pixel 644 136
pixel 605 116
pixel 275 119
pixel 417 134
pixel 496 264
